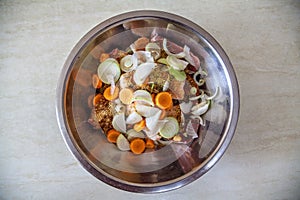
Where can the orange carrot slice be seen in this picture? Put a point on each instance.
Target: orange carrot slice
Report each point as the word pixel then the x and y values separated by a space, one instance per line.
pixel 103 57
pixel 112 135
pixel 137 146
pixel 96 99
pixel 149 144
pixel 107 93
pixel 97 83
pixel 163 100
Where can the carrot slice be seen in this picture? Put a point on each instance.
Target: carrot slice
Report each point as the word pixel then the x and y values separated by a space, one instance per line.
pixel 103 57
pixel 96 99
pixel 149 144
pixel 97 83
pixel 139 126
pixel 163 100
pixel 112 135
pixel 137 146
pixel 107 93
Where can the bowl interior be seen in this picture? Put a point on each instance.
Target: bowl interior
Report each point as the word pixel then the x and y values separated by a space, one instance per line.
pixel 173 162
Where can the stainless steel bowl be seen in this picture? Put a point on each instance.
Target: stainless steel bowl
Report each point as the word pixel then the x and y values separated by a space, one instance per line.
pixel 163 170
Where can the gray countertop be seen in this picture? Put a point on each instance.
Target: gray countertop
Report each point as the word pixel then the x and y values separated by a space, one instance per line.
pixel 262 39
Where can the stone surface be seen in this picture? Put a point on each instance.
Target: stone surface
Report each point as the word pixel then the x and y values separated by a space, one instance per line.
pixel 262 39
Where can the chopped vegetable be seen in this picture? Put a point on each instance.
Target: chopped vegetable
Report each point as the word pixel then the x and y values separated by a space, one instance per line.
pixel 146 111
pixel 162 61
pixel 126 95
pixel 96 99
pixel 163 100
pixel 122 143
pixel 176 63
pixel 96 82
pixel 139 126
pixel 112 135
pixel 152 121
pixel 214 95
pixel 109 71
pixel 154 49
pixel 200 108
pixel 119 122
pixel 178 75
pixel 108 95
pixel 133 118
pixel 150 144
pixel 193 90
pixel 143 96
pixel 179 55
pixel 142 72
pixel 132 134
pixel 103 57
pixel 170 129
pixel 137 146
pixel 128 63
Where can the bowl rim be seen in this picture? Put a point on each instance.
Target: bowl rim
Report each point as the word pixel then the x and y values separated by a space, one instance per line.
pixel 140 188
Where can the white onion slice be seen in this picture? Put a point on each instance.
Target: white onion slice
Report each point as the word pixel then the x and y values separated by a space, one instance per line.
pixel 133 118
pixel 176 63
pixel 214 95
pixel 200 109
pixel 152 121
pixel 142 96
pixel 146 111
pixel 119 123
pixel 142 72
pixel 178 55
pixel 188 56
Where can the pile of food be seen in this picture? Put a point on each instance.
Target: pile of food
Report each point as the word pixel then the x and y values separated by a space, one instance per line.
pixel 149 95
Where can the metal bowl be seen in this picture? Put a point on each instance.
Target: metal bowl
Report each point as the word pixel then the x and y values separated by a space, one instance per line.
pixel 163 170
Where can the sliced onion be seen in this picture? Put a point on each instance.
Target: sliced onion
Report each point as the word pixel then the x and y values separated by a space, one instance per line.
pixel 166 86
pixel 188 56
pixel 186 107
pixel 178 55
pixel 119 108
pixel 109 71
pixel 197 97
pixel 154 49
pixel 119 122
pixel 214 95
pixel 153 134
pixel 131 134
pixel 170 129
pixel 122 143
pixel 143 96
pixel 152 121
pixel 142 72
pixel 125 80
pixel 146 111
pixel 200 108
pixel 176 63
pixel 133 118
pixel 128 63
